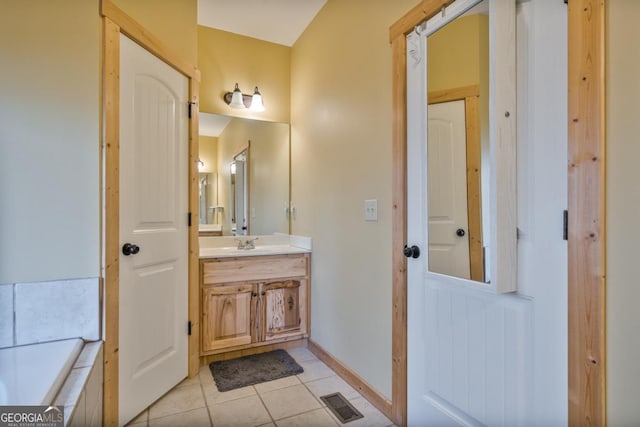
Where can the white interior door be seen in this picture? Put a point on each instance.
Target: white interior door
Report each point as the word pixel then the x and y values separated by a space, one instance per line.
pixel 476 358
pixel 447 192
pixel 153 217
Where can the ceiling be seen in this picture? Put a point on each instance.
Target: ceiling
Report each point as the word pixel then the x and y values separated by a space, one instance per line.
pixel 276 21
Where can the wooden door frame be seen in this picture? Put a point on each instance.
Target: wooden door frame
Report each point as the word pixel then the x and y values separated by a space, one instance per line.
pixel 116 22
pixel 586 204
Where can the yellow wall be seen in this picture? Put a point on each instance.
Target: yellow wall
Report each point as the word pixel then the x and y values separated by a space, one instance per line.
pixel 226 59
pixel 455 53
pixel 50 81
pixel 49 130
pixel 208 152
pixel 458 56
pixel 341 155
pixel 623 206
pixel 174 22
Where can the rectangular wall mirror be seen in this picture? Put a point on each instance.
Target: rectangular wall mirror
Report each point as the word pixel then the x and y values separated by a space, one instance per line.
pixel 248 163
pixel 467 118
pixel 458 145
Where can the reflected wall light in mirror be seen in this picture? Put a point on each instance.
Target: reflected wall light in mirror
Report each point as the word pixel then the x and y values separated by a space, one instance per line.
pixel 239 100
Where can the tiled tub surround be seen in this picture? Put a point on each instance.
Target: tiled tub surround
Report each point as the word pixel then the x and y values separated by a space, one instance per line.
pixel 33 374
pixel 65 373
pixel 35 316
pixel 49 311
pixel 276 244
pixel 81 395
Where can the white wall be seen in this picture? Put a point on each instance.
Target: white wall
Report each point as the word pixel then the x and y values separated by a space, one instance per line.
pixel 623 212
pixel 49 133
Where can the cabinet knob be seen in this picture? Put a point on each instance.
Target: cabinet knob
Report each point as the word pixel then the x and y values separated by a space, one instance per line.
pixel 254 294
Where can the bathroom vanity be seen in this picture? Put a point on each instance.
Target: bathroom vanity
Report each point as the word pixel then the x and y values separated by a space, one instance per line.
pixel 253 297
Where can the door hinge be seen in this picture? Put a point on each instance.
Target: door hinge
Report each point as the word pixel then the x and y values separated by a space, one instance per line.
pixel 565 225
pixel 190 105
pixel 189 219
pixel 189 327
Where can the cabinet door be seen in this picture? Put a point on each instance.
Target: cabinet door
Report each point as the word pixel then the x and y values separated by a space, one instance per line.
pixel 283 310
pixel 228 316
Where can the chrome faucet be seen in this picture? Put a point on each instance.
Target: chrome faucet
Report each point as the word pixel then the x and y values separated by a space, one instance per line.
pixel 247 244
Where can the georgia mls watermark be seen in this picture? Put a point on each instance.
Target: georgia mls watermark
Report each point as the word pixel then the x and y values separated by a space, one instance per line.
pixel 31 416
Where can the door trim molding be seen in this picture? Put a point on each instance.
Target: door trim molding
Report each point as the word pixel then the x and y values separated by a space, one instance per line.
pixel 586 195
pixel 115 22
pixel 586 205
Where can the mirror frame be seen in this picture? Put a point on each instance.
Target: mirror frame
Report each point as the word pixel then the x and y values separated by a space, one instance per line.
pixel 502 259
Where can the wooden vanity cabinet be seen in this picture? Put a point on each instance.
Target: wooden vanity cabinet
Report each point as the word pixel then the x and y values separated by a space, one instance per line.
pixel 252 301
pixel 228 315
pixel 283 310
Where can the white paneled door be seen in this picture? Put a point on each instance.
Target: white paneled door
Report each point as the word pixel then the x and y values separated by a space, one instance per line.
pixel 476 358
pixel 153 228
pixel 447 192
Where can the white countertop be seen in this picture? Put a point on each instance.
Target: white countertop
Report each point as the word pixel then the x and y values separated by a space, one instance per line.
pixel 277 244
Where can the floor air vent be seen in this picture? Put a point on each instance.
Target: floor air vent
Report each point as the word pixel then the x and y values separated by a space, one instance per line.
pixel 341 407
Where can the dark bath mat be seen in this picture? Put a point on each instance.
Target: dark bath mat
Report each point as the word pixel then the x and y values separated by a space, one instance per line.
pixel 254 369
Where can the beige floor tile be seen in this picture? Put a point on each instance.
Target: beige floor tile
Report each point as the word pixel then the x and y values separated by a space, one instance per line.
pixel 317 418
pixel 289 401
pixel 314 370
pixel 268 425
pixel 330 385
pixel 301 354
pixel 140 419
pixel 277 384
pixel 213 396
pixel 179 399
pixel 205 375
pixel 245 412
pixel 189 381
pixel 372 417
pixel 195 418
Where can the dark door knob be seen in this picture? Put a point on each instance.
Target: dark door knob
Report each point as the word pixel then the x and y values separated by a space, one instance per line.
pixel 130 249
pixel 460 232
pixel 411 252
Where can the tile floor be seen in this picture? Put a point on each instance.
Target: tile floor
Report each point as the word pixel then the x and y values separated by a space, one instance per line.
pixel 291 401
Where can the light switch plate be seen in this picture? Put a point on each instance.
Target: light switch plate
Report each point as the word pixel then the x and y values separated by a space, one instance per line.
pixel 371 210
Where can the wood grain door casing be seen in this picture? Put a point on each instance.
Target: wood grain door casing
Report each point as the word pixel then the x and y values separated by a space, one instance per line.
pixel 229 315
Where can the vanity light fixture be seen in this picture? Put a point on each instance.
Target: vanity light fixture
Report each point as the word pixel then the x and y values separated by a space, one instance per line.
pixel 200 164
pixel 235 99
pixel 256 101
pixel 239 100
